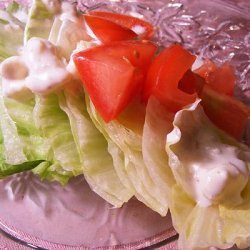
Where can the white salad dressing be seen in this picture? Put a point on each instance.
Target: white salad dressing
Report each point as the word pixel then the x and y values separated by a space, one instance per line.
pixel 221 177
pixel 38 69
pixel 210 171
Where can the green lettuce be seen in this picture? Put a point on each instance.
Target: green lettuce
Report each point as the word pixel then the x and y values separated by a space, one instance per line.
pixel 158 123
pixel 40 20
pixel 129 141
pixel 54 126
pixel 119 166
pixel 236 220
pixel 26 138
pixel 198 227
pixel 25 145
pixel 11 32
pixel 66 33
pixel 93 150
pixel 13 148
pixel 21 113
pixel 8 169
pixel 19 144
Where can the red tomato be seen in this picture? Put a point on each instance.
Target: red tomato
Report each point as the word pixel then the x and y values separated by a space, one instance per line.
pixel 107 31
pixel 113 74
pixel 221 79
pixel 225 112
pixel 164 75
pixel 144 29
pixel 191 83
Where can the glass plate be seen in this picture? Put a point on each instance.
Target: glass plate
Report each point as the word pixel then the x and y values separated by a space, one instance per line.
pixel 47 216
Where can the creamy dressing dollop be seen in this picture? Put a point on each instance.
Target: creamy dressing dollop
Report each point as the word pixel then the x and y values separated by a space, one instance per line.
pixel 220 177
pixel 39 69
pixel 208 164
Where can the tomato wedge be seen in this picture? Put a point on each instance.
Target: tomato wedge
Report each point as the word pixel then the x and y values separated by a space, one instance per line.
pixel 113 74
pixel 107 31
pixel 164 75
pixel 225 112
pixel 143 29
pixel 221 79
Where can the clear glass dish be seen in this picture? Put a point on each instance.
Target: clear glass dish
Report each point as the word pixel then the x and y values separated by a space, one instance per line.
pixel 46 215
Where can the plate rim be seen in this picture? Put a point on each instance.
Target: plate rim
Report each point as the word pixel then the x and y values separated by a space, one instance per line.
pixel 161 239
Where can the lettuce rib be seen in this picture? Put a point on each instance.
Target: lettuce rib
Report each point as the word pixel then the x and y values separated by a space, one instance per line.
pixel 93 150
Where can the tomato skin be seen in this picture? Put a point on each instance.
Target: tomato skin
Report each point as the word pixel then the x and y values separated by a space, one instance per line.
pixel 226 112
pixel 139 53
pixel 113 74
pixel 107 31
pixel 222 79
pixel 128 22
pixel 164 75
pixel 191 83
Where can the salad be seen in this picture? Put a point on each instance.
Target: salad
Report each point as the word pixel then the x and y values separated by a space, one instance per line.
pixel 91 94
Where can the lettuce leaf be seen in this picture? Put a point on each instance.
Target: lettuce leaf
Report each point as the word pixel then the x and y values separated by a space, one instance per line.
pixel 19 147
pixel 8 169
pixel 11 34
pixel 127 135
pixel 40 20
pixel 119 166
pixel 198 227
pixel 55 128
pixel 22 145
pixel 13 148
pixel 236 221
pixel 93 150
pixel 25 138
pixel 52 172
pixel 197 148
pixel 225 221
pixel 67 30
pixel 158 123
pixel 21 112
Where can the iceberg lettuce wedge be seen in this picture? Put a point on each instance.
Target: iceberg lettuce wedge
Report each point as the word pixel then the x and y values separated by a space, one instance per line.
pixel 22 146
pixel 93 150
pixel 19 146
pixel 119 165
pixel 25 137
pixel 198 227
pixel 236 221
pixel 129 141
pixel 34 146
pixel 158 123
pixel 13 148
pixel 54 125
